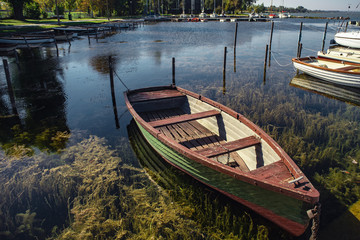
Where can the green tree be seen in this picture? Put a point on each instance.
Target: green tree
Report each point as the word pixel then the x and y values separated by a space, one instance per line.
pixel 18 7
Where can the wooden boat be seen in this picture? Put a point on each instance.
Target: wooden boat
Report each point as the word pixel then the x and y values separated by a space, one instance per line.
pixel 342 93
pixel 335 71
pixel 341 53
pixel 222 149
pixel 25 40
pixel 348 39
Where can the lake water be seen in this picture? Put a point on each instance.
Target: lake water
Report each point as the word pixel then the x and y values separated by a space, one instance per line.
pixel 65 108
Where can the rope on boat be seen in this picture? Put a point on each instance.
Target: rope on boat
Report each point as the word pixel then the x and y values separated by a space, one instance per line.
pixel 315 221
pixel 121 81
pixel 281 65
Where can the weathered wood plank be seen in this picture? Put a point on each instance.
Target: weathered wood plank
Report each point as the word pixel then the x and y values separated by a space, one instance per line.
pixel 184 118
pixel 154 95
pixel 229 147
pixel 276 171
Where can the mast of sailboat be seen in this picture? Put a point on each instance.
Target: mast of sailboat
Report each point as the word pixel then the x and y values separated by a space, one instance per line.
pixel 222 7
pixel 183 7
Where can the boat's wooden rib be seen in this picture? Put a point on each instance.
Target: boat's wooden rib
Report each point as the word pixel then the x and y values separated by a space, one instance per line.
pixel 184 118
pixel 229 147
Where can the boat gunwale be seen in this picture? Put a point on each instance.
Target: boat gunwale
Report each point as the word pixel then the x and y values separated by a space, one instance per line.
pixel 302 61
pixel 311 196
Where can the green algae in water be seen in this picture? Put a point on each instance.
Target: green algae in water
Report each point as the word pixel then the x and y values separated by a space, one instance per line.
pixel 91 192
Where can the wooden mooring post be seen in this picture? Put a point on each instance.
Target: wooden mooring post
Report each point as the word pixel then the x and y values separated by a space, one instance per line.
pixel 265 62
pixel 173 71
pixel 10 88
pixel 111 72
pixel 57 48
pixel 224 71
pixel 324 37
pixel 270 42
pixel 234 60
pixel 299 41
pixel 88 33
pixel 236 29
pixel 299 51
pixel 224 66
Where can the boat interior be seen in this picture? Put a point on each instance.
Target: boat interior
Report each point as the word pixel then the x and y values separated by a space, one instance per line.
pixel 209 131
pixel 325 63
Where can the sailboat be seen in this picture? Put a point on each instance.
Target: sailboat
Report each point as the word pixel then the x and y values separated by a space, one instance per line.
pixel 183 15
pixel 214 15
pixel 272 15
pixel 283 14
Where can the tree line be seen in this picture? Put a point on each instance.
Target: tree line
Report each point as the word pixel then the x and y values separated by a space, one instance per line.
pixel 40 8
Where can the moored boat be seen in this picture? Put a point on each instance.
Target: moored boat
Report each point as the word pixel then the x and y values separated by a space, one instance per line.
pixel 331 70
pixel 226 151
pixel 342 53
pixel 26 40
pixel 348 39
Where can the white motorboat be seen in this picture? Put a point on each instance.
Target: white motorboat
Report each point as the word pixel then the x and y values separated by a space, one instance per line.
pixel 348 39
pixel 213 15
pixel 335 71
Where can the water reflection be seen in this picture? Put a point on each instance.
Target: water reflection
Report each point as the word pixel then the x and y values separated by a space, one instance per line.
pixel 341 93
pixel 40 101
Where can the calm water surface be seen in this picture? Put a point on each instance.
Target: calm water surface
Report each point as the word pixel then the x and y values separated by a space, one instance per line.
pixel 72 93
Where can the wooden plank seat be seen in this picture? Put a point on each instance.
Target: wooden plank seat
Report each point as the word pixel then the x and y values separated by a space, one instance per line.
pixel 155 95
pixel 228 147
pixel 184 118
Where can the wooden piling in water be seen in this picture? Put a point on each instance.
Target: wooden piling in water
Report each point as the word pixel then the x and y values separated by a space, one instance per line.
pixel 266 55
pixel 96 35
pixel 324 37
pixel 57 49
pixel 88 33
pixel 265 62
pixel 173 71
pixel 224 67
pixel 236 29
pixel 67 38
pixel 270 42
pixel 10 89
pixel 111 73
pixel 299 41
pixel 234 60
pixel 299 50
